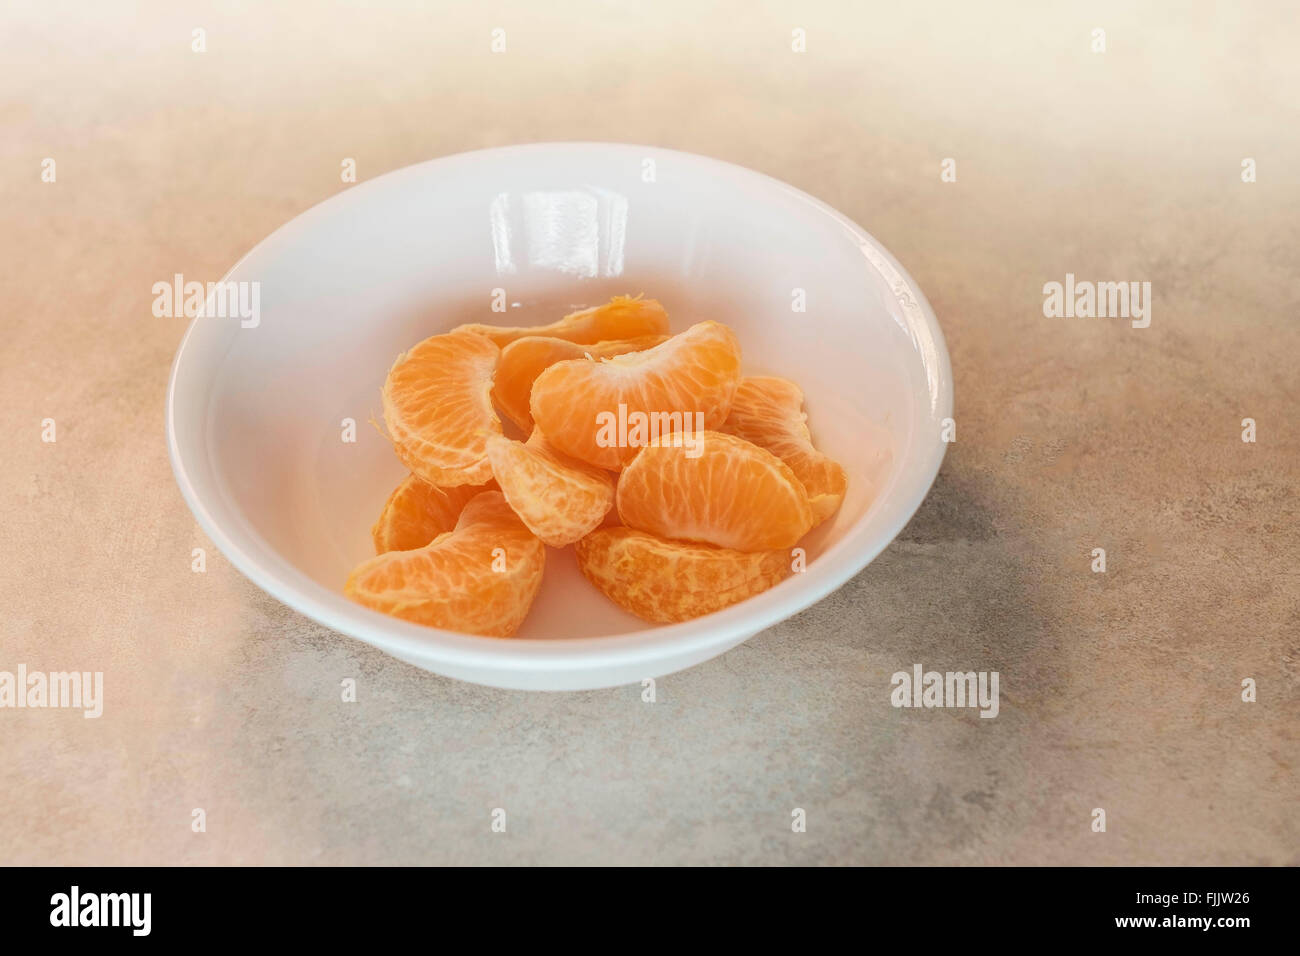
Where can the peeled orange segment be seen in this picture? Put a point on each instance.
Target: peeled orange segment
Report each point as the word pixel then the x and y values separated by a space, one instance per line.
pixel 559 499
pixel 479 578
pixel 769 413
pixel 668 581
pixel 524 359
pixel 438 408
pixel 603 412
pixel 622 317
pixel 716 489
pixel 417 512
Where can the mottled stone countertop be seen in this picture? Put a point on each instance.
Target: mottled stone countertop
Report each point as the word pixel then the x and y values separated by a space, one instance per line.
pixel 1119 690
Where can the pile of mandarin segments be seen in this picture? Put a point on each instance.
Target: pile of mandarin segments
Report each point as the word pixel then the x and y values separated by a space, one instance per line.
pixel 668 525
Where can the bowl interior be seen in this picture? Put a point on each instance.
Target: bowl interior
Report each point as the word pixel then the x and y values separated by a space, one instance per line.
pixel 262 415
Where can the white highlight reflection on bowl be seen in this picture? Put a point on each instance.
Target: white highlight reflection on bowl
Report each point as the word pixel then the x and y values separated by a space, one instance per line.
pixel 579 232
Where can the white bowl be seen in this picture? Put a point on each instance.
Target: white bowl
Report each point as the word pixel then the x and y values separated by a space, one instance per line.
pixel 255 414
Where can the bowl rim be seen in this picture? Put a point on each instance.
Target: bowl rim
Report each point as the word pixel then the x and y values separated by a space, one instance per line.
pixel 725 628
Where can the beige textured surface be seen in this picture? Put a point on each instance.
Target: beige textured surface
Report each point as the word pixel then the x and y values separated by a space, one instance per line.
pixel 1119 690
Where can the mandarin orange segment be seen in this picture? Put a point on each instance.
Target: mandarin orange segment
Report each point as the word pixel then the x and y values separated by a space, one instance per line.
pixel 769 412
pixel 479 578
pixel 603 412
pixel 669 581
pixel 716 489
pixel 559 499
pixel 524 359
pixel 438 408
pixel 622 317
pixel 417 512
